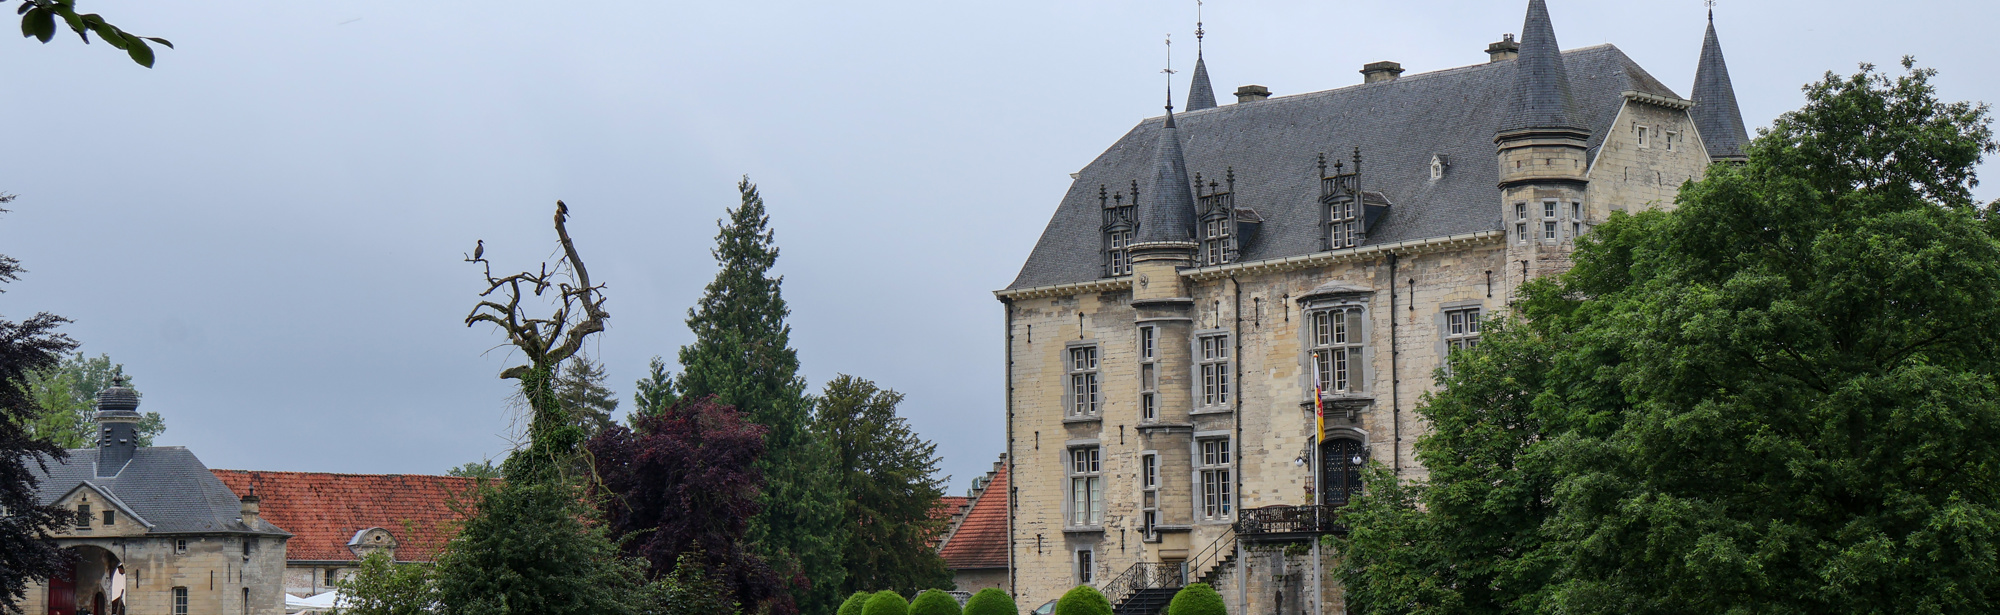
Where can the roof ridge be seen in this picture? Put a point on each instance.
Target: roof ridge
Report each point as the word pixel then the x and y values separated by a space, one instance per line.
pixel 1405 78
pixel 344 473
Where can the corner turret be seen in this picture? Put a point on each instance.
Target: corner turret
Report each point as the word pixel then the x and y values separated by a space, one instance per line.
pixel 1542 153
pixel 1716 116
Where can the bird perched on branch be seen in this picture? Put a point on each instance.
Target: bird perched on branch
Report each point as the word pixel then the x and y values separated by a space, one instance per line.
pixel 562 211
pixel 479 250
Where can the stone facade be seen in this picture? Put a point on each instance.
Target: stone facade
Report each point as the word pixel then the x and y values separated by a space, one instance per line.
pixel 1124 453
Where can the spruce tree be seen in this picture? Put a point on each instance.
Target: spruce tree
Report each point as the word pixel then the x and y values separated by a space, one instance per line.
pixel 580 388
pixel 890 476
pixel 742 355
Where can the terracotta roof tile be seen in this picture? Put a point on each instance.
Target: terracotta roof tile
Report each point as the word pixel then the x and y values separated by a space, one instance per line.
pixel 323 511
pixel 981 539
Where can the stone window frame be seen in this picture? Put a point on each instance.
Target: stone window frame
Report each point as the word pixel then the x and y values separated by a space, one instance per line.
pixel 1469 334
pixel 1322 360
pixel 1149 493
pixel 1667 138
pixel 1149 374
pixel 110 517
pixel 179 600
pixel 1083 468
pixel 1211 372
pixel 1551 213
pixel 1082 376
pixel 1214 476
pixel 1084 564
pixel 180 545
pixel 1343 226
pixel 1641 130
pixel 1120 223
pixel 1575 218
pixel 1521 222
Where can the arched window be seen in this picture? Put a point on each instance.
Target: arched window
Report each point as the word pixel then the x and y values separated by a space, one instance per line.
pixel 1340 470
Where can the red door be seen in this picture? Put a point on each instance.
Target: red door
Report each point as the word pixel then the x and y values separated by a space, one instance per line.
pixel 62 591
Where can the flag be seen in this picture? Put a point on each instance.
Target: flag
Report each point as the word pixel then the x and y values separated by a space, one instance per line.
pixel 1319 413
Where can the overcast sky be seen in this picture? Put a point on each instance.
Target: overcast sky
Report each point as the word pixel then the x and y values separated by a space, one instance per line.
pixel 266 228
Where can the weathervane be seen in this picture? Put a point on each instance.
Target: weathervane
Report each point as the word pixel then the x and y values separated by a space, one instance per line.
pixel 1198 32
pixel 1711 10
pixel 1169 70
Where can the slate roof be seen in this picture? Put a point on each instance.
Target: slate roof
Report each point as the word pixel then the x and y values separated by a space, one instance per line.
pixel 165 485
pixel 1200 95
pixel 1399 125
pixel 325 510
pixel 1167 214
pixel 981 539
pixel 1542 95
pixel 1716 116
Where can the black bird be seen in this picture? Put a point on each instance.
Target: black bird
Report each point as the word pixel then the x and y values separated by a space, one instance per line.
pixel 562 210
pixel 479 250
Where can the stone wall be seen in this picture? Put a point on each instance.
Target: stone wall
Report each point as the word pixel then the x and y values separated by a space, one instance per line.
pixel 1630 178
pixel 214 570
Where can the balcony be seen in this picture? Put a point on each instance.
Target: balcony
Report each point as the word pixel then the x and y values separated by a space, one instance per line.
pixel 1287 523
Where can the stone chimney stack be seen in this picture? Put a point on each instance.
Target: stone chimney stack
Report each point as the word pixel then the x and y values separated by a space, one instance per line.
pixel 1377 72
pixel 1252 93
pixel 117 427
pixel 1504 50
pixel 250 507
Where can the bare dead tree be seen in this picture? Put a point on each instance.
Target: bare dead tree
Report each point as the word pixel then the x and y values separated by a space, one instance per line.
pixel 545 342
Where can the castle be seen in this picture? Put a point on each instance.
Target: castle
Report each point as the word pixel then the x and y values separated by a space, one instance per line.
pixel 1235 308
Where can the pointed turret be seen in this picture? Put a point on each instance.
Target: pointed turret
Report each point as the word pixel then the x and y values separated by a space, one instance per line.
pixel 1200 94
pixel 1167 213
pixel 1541 98
pixel 1715 113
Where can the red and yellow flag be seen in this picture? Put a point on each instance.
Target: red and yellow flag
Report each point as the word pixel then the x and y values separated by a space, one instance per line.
pixel 1319 412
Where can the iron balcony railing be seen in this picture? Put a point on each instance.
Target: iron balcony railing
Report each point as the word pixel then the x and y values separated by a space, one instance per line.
pixel 1143 576
pixel 1269 520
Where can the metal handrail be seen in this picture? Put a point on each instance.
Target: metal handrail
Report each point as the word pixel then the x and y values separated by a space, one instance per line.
pixel 1210 556
pixel 1141 576
pixel 1309 519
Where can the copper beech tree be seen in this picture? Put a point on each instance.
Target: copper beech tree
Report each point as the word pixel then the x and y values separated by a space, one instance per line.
pixel 545 342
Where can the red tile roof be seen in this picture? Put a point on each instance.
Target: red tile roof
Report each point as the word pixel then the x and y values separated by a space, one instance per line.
pixel 949 508
pixel 323 511
pixel 981 539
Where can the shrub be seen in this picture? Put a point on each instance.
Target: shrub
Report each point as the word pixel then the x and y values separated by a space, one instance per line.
pixel 854 603
pixel 1083 600
pixel 1197 599
pixel 991 601
pixel 885 602
pixel 934 602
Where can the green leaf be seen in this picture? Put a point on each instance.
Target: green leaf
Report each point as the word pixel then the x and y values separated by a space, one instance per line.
pixel 75 23
pixel 161 41
pixel 139 51
pixel 45 24
pixel 110 34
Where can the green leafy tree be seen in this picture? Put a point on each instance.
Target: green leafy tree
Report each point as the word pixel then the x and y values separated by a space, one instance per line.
pixel 742 355
pixel 67 396
pixel 26 555
pixel 853 604
pixel 890 478
pixel 934 602
pixel 1779 398
pixel 691 589
pixel 991 601
pixel 38 21
pixel 383 587
pixel 529 549
pixel 580 388
pixel 476 469
pixel 885 602
pixel 1197 599
pixel 1082 600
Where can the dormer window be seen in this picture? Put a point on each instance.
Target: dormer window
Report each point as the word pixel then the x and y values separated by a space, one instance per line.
pixel 1437 167
pixel 1344 224
pixel 1120 220
pixel 1343 205
pixel 1214 242
pixel 1215 208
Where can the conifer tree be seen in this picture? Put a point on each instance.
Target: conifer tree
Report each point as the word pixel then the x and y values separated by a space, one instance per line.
pixel 890 476
pixel 742 355
pixel 581 390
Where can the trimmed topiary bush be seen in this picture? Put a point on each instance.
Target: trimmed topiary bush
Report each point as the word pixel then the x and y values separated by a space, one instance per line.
pixel 1083 600
pixel 991 601
pixel 1197 599
pixel 854 603
pixel 885 602
pixel 934 602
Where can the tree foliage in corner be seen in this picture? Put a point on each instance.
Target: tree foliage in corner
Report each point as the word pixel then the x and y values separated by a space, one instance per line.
pixel 681 486
pixel 891 484
pixel 382 587
pixel 742 355
pixel 67 396
pixel 38 21
pixel 25 346
pixel 1782 397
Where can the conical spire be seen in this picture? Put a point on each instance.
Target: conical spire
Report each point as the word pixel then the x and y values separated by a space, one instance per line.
pixel 1167 211
pixel 1541 96
pixel 1715 113
pixel 1200 94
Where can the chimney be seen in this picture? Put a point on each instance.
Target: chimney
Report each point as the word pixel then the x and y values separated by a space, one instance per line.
pixel 250 506
pixel 1252 93
pixel 1377 72
pixel 1504 50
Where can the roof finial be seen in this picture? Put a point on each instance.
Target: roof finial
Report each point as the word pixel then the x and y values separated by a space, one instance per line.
pixel 1169 71
pixel 1198 33
pixel 1711 13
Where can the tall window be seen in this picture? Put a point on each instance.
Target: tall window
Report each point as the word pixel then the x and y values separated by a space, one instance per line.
pixel 1344 223
pixel 1086 486
pixel 1336 349
pixel 1576 218
pixel 1083 381
pixel 1671 136
pixel 83 516
pixel 1085 566
pixel 1215 241
pixel 1120 260
pixel 1213 464
pixel 1521 222
pixel 1642 131
pixel 180 601
pixel 1214 361
pixel 1549 220
pixel 1149 486
pixel 1149 375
